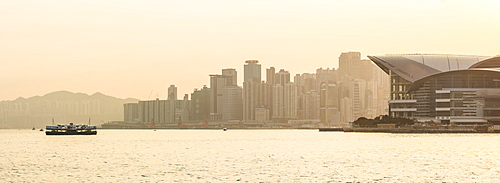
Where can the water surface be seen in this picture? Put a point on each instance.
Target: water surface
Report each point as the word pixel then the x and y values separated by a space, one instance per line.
pixel 248 156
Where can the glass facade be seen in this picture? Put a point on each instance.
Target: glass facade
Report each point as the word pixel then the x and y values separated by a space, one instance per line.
pixel 473 93
pixel 445 88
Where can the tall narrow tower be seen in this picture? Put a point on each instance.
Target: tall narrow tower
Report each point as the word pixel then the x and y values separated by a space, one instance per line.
pixel 171 102
pixel 284 96
pixel 217 83
pixel 270 76
pixel 172 93
pixel 251 89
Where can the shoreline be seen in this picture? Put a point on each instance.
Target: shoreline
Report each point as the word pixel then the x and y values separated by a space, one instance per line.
pixel 409 130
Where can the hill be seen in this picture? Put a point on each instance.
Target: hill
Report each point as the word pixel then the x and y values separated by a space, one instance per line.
pixel 63 107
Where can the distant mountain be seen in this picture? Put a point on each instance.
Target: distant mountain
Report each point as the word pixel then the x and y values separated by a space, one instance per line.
pixel 66 95
pixel 63 107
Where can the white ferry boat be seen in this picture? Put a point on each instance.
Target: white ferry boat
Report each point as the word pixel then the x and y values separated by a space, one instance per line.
pixel 71 129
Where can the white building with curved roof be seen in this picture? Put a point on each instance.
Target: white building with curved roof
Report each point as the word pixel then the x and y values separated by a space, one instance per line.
pixel 443 88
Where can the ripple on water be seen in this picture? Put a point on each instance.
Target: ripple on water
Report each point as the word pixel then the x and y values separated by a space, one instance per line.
pixel 249 156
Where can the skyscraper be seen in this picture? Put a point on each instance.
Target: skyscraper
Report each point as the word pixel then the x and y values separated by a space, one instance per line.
pixel 268 92
pixel 282 77
pixel 231 76
pixel 130 112
pixel 350 64
pixel 200 104
pixel 254 95
pixel 310 105
pixel 172 93
pixel 217 82
pixel 251 89
pixel 326 75
pixel 182 109
pixel 232 107
pixel 270 76
pixel 290 100
pixel 284 97
pixel 250 94
pixel 252 71
pixel 171 102
pixel 329 103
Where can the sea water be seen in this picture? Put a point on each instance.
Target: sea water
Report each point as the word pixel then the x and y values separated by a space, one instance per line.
pixel 248 156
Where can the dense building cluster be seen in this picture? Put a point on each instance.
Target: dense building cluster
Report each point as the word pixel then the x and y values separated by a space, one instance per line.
pixel 329 97
pixel 446 89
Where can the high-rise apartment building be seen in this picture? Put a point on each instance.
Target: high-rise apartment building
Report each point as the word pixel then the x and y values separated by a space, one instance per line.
pixel 231 76
pixel 349 64
pixel 329 103
pixel 284 97
pixel 310 105
pixel 270 76
pixel 290 100
pixel 200 104
pixel 255 92
pixel 159 113
pixel 130 112
pixel 250 99
pixel 155 112
pixel 255 95
pixel 282 77
pixel 182 111
pixel 326 75
pixel 305 83
pixel 268 90
pixel 278 101
pixel 262 114
pixel 232 107
pixel 171 100
pixel 172 92
pixel 252 71
pixel 217 83
pixel 226 96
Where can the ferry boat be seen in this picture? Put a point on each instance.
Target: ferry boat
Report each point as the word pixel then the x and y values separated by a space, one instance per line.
pixel 71 129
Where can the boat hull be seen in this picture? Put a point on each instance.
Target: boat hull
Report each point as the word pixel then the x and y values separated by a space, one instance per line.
pixel 71 133
pixel 335 129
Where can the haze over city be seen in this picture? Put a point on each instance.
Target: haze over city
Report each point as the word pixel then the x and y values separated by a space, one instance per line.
pixel 138 48
pixel 250 91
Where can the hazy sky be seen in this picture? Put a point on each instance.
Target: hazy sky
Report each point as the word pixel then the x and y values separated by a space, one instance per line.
pixel 129 48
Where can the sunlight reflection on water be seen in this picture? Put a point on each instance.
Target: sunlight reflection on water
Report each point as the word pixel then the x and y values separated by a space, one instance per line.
pixel 248 156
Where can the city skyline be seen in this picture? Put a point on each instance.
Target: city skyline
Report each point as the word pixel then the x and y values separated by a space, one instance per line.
pixel 138 49
pixel 249 91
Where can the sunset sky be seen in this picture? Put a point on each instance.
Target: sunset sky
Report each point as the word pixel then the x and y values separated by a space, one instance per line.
pixel 135 48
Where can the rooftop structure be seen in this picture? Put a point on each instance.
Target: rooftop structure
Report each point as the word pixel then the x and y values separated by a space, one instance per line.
pixel 252 61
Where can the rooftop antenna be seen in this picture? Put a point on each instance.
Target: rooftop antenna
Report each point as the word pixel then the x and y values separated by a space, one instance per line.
pixel 89 121
pixel 52 120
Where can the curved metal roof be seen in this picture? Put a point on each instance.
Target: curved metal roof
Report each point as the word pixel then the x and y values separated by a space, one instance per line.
pixel 418 83
pixel 488 63
pixel 417 66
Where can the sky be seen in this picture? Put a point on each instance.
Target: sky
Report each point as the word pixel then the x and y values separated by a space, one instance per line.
pixel 132 48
